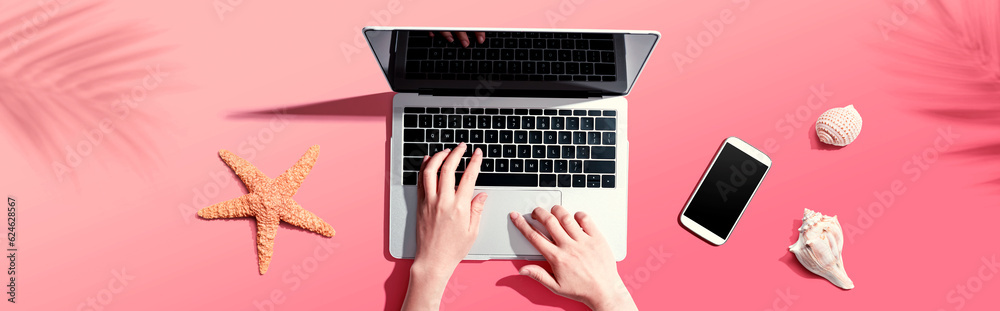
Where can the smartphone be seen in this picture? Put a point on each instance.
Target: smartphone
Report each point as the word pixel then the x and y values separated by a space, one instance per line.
pixel 724 192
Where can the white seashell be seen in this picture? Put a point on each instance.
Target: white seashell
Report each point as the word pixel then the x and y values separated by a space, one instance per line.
pixel 839 126
pixel 819 248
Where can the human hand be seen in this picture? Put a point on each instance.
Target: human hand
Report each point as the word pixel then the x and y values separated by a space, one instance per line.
pixel 447 224
pixel 463 37
pixel 583 267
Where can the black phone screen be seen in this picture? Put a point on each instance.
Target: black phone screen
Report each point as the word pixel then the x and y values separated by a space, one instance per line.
pixel 726 190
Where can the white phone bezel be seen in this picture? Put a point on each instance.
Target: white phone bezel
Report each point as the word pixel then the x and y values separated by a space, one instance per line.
pixel 697 228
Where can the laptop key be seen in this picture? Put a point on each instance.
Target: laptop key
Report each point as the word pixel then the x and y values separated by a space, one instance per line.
pixel 414 150
pixel 502 165
pixel 507 179
pixel 593 181
pixel 462 136
pixel 528 123
pixel 579 181
pixel 575 166
pixel 513 122
pixel 561 166
pixel 587 124
pixel 413 135
pixel 542 123
pixel 506 137
pixel 454 121
pixel 609 138
pixel 580 138
pixel 476 136
pixel 565 137
pixel 531 165
pixel 568 152
pixel 597 152
pixel 582 152
pixel 550 137
pixel 594 138
pixel 494 151
pixel 572 123
pixel 509 151
pixel 409 120
pixel 498 122
pixel 592 166
pixel 487 165
pixel 447 136
pixel 565 180
pixel 409 178
pixel 434 148
pixel 535 137
pixel 538 152
pixel 412 163
pixel 520 137
pixel 491 136
pixel 516 165
pixel 524 151
pixel 469 122
pixel 547 180
pixel 557 123
pixel 552 152
pixel 604 124
pixel 484 122
pixel 607 181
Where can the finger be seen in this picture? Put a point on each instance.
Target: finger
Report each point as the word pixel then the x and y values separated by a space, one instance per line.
pixel 447 36
pixel 541 275
pixel 556 230
pixel 568 223
pixel 477 212
pixel 542 244
pixel 420 174
pixel 430 172
pixel 468 183
pixel 446 183
pixel 587 224
pixel 463 38
pixel 480 36
pixel 432 33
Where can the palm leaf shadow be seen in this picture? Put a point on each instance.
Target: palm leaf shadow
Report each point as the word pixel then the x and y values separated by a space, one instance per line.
pixel 67 71
pixel 950 52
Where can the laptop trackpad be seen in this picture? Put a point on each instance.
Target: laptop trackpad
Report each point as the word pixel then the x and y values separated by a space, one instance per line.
pixel 497 235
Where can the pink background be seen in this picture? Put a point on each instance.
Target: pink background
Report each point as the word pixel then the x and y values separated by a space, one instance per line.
pixel 224 74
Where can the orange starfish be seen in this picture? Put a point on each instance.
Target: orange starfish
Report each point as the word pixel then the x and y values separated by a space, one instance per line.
pixel 269 201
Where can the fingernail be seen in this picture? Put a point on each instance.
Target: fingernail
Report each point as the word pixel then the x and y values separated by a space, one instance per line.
pixel 514 215
pixel 451 39
pixel 483 197
pixel 479 151
pixel 447 150
pixel 426 156
pixel 465 43
pixel 461 143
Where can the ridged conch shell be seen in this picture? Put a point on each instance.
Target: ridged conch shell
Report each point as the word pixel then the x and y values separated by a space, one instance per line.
pixel 839 126
pixel 819 248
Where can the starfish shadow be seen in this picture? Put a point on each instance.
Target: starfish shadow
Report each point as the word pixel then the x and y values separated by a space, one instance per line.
pixel 371 105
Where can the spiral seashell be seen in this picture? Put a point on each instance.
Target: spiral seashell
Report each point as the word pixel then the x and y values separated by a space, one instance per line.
pixel 839 126
pixel 821 241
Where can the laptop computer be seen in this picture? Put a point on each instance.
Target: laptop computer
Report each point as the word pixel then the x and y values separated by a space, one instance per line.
pixel 547 108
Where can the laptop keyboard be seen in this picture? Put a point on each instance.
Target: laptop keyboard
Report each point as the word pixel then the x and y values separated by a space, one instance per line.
pixel 513 56
pixel 569 148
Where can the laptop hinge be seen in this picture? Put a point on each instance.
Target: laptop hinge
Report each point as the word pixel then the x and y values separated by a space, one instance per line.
pixel 512 93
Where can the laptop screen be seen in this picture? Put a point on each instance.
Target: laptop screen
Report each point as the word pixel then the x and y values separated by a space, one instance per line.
pixel 525 62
